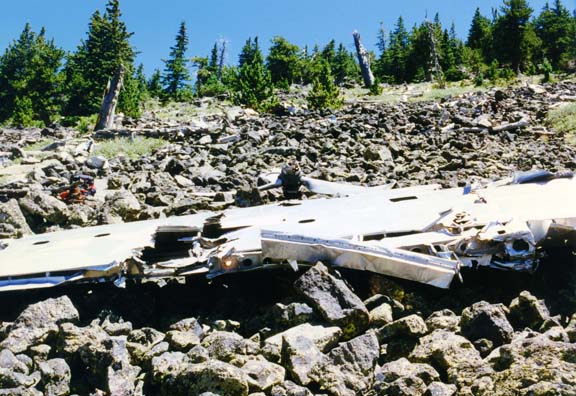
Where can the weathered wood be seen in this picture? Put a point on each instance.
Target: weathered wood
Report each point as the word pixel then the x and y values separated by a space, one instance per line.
pixel 110 100
pixel 434 66
pixel 363 60
pixel 514 125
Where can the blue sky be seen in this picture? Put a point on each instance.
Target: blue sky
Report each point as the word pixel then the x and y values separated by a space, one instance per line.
pixel 155 23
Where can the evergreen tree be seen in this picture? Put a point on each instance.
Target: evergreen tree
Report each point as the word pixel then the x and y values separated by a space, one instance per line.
pixel 96 61
pixel 329 53
pixel 514 38
pixel 397 53
pixel 324 94
pixel 30 82
pixel 554 28
pixel 176 77
pixel 155 84
pixel 345 66
pixel 480 35
pixel 254 86
pixel 249 51
pixel 283 62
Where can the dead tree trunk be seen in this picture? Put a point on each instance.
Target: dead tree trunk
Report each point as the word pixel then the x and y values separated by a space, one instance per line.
pixel 435 67
pixel 363 60
pixel 110 100
pixel 221 60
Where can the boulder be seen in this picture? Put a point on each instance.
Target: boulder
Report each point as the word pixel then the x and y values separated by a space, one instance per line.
pixel 323 337
pixel 38 322
pixel 444 320
pixel 440 389
pixel 381 315
pixel 226 346
pixel 403 386
pixel 293 314
pixel 56 377
pixel 484 320
pixel 300 355
pixel 42 207
pixel 527 311
pixel 125 204
pixel 403 368
pixel 263 375
pixel 289 388
pixel 409 326
pixel 212 376
pixel 452 355
pixel 11 214
pixel 182 340
pixel 334 300
pixel 348 369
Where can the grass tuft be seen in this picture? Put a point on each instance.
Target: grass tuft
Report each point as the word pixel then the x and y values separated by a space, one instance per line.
pixel 563 120
pixel 132 149
pixel 38 145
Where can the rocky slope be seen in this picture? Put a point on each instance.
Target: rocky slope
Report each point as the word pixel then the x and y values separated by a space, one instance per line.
pixel 271 334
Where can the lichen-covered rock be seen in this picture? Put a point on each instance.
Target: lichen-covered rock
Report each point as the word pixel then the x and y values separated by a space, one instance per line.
pixel 124 204
pixel 226 346
pixel 444 320
pixel 11 215
pixel 39 321
pixel 293 314
pixel 189 324
pixel 263 375
pixel 408 326
pixel 484 320
pixel 182 340
pixel 527 311
pixel 323 338
pixel 349 368
pixel 212 376
pixel 56 377
pixel 403 386
pixel 167 366
pixel 440 389
pixel 453 354
pixel 300 355
pixel 289 388
pixel 41 207
pixel 381 315
pixel 532 358
pixel 404 368
pixel 334 300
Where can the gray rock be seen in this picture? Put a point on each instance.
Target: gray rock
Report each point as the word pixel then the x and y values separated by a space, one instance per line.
pixel 40 205
pixel 125 204
pixel 10 213
pixel 403 386
pixel 263 375
pixel 484 320
pixel 293 314
pixel 226 346
pixel 20 391
pixel 188 324
pixel 381 315
pixel 444 320
pixel 403 368
pixel 182 340
pixel 11 362
pixel 213 376
pixel 198 354
pixel 527 311
pixel 289 388
pixel 408 326
pixel 39 321
pixel 167 366
pixel 349 368
pixel 56 377
pixel 333 300
pixel 453 354
pixel 300 355
pixel 440 389
pixel 323 337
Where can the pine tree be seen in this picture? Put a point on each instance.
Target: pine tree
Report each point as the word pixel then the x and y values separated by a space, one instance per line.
pixel 553 27
pixel 324 94
pixel 480 35
pixel 514 38
pixel 397 52
pixel 345 67
pixel 30 82
pixel 96 61
pixel 176 77
pixel 254 86
pixel 155 84
pixel 283 62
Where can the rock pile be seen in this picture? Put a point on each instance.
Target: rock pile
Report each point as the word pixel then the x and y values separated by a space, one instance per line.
pixel 213 162
pixel 486 350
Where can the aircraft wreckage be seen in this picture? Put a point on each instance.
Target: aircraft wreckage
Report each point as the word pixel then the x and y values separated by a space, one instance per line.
pixel 424 234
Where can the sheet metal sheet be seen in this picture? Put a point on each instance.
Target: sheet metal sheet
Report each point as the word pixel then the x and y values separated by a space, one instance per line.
pixel 403 264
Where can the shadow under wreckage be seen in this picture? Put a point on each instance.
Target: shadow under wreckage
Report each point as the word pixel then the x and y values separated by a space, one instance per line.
pixel 424 234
